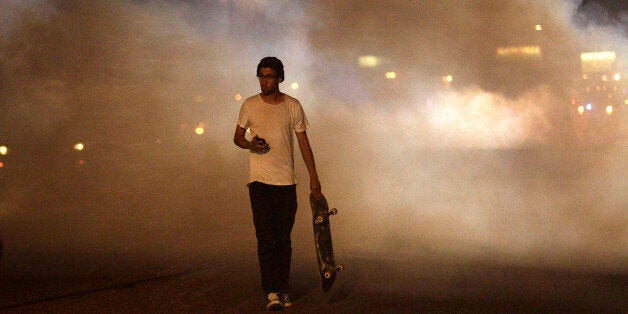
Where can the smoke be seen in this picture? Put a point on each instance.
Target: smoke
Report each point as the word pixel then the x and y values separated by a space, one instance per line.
pixel 485 166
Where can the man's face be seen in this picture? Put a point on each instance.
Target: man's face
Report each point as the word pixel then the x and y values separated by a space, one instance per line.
pixel 268 80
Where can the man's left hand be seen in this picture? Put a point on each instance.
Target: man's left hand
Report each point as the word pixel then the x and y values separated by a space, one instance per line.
pixel 315 188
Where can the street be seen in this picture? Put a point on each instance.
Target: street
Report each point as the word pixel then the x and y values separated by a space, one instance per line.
pixel 379 284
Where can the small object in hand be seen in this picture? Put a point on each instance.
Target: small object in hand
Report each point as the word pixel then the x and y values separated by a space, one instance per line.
pixel 261 141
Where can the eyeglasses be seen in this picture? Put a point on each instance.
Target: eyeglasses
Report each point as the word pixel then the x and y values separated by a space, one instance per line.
pixel 267 77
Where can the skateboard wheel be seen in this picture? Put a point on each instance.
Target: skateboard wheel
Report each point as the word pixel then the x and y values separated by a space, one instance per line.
pixel 340 267
pixel 319 219
pixel 327 275
pixel 333 211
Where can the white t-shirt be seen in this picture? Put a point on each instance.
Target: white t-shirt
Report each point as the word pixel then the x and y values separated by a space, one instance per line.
pixel 275 124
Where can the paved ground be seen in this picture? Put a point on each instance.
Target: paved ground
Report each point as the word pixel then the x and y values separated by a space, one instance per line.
pixel 381 285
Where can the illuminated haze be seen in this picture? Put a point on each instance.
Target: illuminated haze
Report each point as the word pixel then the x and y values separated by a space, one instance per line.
pixel 484 168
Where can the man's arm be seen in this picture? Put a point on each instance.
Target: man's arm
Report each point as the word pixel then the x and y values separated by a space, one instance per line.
pixel 308 158
pixel 240 140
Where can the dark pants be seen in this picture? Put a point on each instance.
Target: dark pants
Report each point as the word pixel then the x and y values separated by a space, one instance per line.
pixel 274 208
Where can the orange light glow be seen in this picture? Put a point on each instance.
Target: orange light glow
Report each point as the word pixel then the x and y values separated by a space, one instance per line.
pixel 597 56
pixel 597 61
pixel 519 51
pixel 581 110
pixel 368 61
pixel 79 147
pixel 391 75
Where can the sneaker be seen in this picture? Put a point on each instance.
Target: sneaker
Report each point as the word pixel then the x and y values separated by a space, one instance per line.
pixel 285 299
pixel 274 303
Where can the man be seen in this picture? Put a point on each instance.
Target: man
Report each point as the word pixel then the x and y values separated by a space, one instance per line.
pixel 270 118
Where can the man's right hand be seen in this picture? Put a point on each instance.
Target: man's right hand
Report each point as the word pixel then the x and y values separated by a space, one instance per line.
pixel 259 145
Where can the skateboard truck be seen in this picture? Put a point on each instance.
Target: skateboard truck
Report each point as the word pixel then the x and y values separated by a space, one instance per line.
pixel 330 270
pixel 320 218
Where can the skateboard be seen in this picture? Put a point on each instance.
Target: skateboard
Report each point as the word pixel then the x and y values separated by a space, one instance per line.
pixel 327 266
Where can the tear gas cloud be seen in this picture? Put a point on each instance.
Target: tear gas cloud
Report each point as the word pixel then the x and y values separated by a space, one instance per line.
pixel 484 166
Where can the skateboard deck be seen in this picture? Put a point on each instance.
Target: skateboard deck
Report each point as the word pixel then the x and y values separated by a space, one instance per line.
pixel 327 266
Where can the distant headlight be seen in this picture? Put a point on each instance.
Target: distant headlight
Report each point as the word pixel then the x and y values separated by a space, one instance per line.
pixel 609 109
pixel 581 110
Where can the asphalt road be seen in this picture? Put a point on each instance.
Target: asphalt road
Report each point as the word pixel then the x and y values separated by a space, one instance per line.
pixel 380 284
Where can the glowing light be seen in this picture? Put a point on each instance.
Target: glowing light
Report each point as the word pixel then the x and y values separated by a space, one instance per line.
pixel 519 51
pixel 4 150
pixel 238 97
pixel 581 110
pixel 368 61
pixel 598 56
pixel 589 107
pixel 294 85
pixel 1 164
pixel 597 61
pixel 448 78
pixel 391 75
pixel 480 116
pixel 617 76
pixel 585 76
pixel 538 27
pixel 200 129
pixel 79 147
pixel 609 109
pixel 81 162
